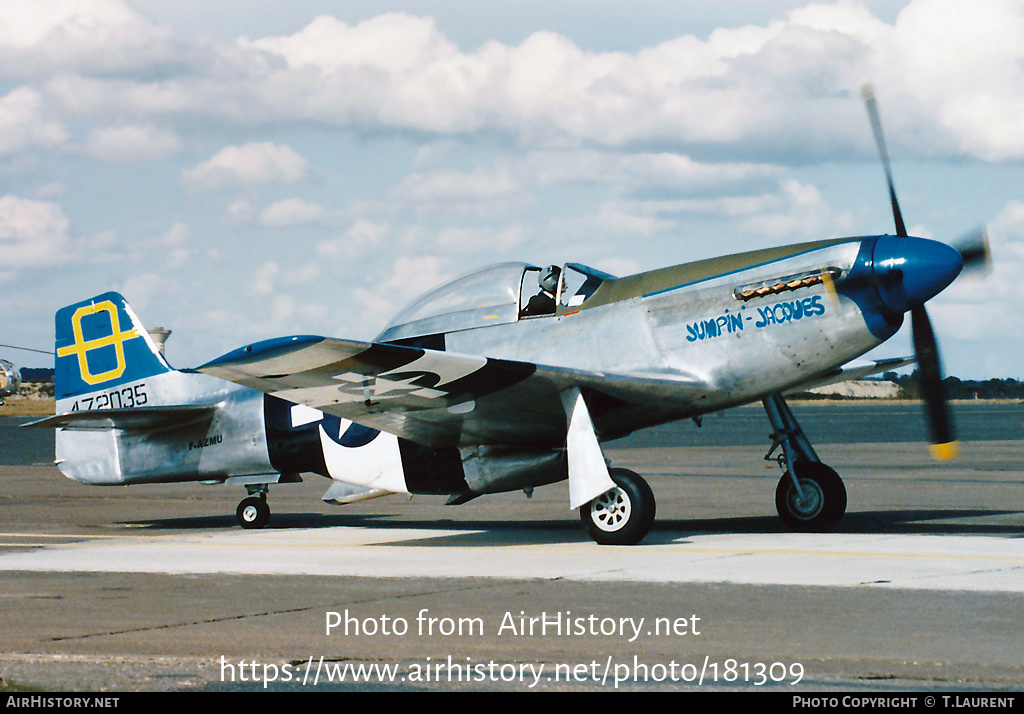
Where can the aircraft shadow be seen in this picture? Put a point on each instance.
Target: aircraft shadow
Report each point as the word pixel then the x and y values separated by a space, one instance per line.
pixel 474 533
pixel 490 533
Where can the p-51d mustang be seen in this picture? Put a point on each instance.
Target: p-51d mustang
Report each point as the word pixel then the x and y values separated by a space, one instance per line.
pixel 508 378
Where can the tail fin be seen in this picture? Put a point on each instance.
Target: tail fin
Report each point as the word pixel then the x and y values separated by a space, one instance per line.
pixel 101 344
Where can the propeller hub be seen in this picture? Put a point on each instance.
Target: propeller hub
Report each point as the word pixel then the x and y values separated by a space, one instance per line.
pixel 910 271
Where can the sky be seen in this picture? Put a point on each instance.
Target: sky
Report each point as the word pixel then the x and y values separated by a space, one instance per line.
pixel 247 169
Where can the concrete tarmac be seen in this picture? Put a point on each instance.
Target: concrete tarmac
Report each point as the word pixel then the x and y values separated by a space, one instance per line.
pixel 155 588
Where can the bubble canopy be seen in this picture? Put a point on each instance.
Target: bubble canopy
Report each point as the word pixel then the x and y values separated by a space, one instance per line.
pixel 493 295
pixel 487 296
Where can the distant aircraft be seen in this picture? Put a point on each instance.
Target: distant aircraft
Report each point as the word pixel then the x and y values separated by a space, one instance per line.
pixel 10 379
pixel 510 377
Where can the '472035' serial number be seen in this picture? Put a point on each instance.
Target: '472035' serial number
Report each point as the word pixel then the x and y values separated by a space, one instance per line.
pixel 123 398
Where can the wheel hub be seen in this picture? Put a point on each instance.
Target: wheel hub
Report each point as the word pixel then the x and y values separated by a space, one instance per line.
pixel 810 504
pixel 611 510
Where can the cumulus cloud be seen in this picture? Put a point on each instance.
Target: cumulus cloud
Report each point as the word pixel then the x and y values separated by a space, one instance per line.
pixel 263 280
pixel 613 220
pixel 240 211
pixel 644 174
pixel 293 212
pixel 132 143
pixel 949 74
pixel 270 279
pixel 249 165
pixel 32 233
pixel 802 215
pixel 975 318
pixel 1001 285
pixel 148 290
pixel 487 191
pixel 793 80
pixel 23 123
pixel 619 266
pixel 172 249
pixel 79 36
pixel 393 42
pixel 509 183
pixel 963 66
pixel 408 277
pixel 50 190
pixel 355 241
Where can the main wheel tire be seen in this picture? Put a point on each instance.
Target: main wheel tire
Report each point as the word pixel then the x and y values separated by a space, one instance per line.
pixel 623 515
pixel 252 512
pixel 823 503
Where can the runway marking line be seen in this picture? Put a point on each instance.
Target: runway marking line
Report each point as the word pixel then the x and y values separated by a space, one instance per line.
pixel 217 541
pixel 90 536
pixel 291 540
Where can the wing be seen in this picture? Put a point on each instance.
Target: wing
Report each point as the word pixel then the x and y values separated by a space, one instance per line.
pixel 440 398
pixel 857 369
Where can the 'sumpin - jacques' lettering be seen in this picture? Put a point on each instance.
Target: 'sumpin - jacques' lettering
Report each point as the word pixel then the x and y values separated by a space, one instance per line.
pixel 776 314
pixel 706 329
pixel 790 311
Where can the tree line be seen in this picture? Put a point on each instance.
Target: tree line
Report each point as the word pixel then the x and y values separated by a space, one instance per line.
pixel 957 388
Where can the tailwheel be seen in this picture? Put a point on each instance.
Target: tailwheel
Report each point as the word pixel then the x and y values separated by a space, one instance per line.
pixel 253 512
pixel 623 515
pixel 820 503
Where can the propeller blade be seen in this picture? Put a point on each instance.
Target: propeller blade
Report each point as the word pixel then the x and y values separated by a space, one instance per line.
pixel 973 248
pixel 933 391
pixel 876 126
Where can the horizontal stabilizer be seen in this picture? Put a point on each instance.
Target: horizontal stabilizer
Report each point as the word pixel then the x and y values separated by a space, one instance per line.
pixel 135 419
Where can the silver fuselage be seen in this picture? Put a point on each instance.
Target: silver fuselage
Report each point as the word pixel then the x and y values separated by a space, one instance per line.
pixel 701 332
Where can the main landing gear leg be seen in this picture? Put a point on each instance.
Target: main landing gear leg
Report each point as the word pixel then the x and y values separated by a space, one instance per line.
pixel 616 505
pixel 810 496
pixel 253 512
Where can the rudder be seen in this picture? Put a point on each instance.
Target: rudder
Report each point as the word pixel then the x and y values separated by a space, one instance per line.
pixel 101 344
